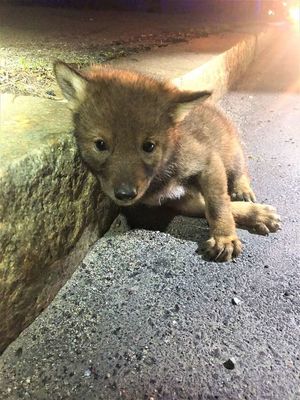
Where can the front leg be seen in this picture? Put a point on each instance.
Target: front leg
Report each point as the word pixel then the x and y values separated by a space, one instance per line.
pixel 223 244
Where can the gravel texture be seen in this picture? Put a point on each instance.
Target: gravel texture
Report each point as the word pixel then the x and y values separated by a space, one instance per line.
pixel 144 316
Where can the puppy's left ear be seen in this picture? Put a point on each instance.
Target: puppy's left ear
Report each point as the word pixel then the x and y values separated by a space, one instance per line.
pixel 73 85
pixel 187 100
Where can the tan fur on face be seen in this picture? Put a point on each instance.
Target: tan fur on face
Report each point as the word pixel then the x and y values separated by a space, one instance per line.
pixel 196 160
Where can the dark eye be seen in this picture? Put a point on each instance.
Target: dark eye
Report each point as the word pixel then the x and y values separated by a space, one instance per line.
pixel 101 145
pixel 148 146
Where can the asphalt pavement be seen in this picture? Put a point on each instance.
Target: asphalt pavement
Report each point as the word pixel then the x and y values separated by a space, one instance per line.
pixel 144 317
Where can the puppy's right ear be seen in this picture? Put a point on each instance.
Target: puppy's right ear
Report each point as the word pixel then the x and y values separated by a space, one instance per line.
pixel 186 101
pixel 73 85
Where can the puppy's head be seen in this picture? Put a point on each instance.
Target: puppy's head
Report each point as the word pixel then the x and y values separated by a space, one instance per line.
pixel 124 125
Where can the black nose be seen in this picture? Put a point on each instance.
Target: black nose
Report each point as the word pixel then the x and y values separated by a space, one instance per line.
pixel 125 192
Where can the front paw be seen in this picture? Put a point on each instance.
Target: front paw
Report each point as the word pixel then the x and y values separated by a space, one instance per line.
pixel 243 194
pixel 242 190
pixel 264 220
pixel 222 248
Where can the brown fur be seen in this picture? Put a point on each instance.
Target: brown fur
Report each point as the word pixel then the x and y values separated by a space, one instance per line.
pixel 196 167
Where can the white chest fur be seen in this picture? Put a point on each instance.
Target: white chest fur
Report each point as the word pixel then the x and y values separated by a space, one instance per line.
pixel 175 192
pixel 171 192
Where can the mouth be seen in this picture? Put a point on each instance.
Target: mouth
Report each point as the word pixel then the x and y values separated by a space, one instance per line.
pixel 128 202
pixel 125 195
pixel 124 203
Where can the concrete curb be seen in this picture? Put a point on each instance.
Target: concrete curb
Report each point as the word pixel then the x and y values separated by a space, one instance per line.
pixel 51 209
pixel 201 64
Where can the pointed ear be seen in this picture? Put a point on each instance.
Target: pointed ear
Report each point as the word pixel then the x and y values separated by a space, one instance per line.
pixel 187 100
pixel 72 83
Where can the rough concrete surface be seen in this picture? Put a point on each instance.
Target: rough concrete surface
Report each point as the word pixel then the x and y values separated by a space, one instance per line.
pixel 55 209
pixel 51 209
pixel 144 317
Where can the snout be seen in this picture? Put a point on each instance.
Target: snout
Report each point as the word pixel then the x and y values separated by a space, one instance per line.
pixel 125 192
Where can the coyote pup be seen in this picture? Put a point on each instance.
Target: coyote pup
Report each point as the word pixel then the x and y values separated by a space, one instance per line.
pixel 133 134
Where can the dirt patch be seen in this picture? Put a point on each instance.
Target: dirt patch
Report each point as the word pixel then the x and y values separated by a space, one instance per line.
pixel 28 71
pixel 33 37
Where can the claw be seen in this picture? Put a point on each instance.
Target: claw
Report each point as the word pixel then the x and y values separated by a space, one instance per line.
pixel 266 220
pixel 222 248
pixel 243 196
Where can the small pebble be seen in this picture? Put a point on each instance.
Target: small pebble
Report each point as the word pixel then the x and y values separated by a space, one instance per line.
pixel 176 308
pixel 236 301
pixel 229 364
pixel 287 293
pixel 50 93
